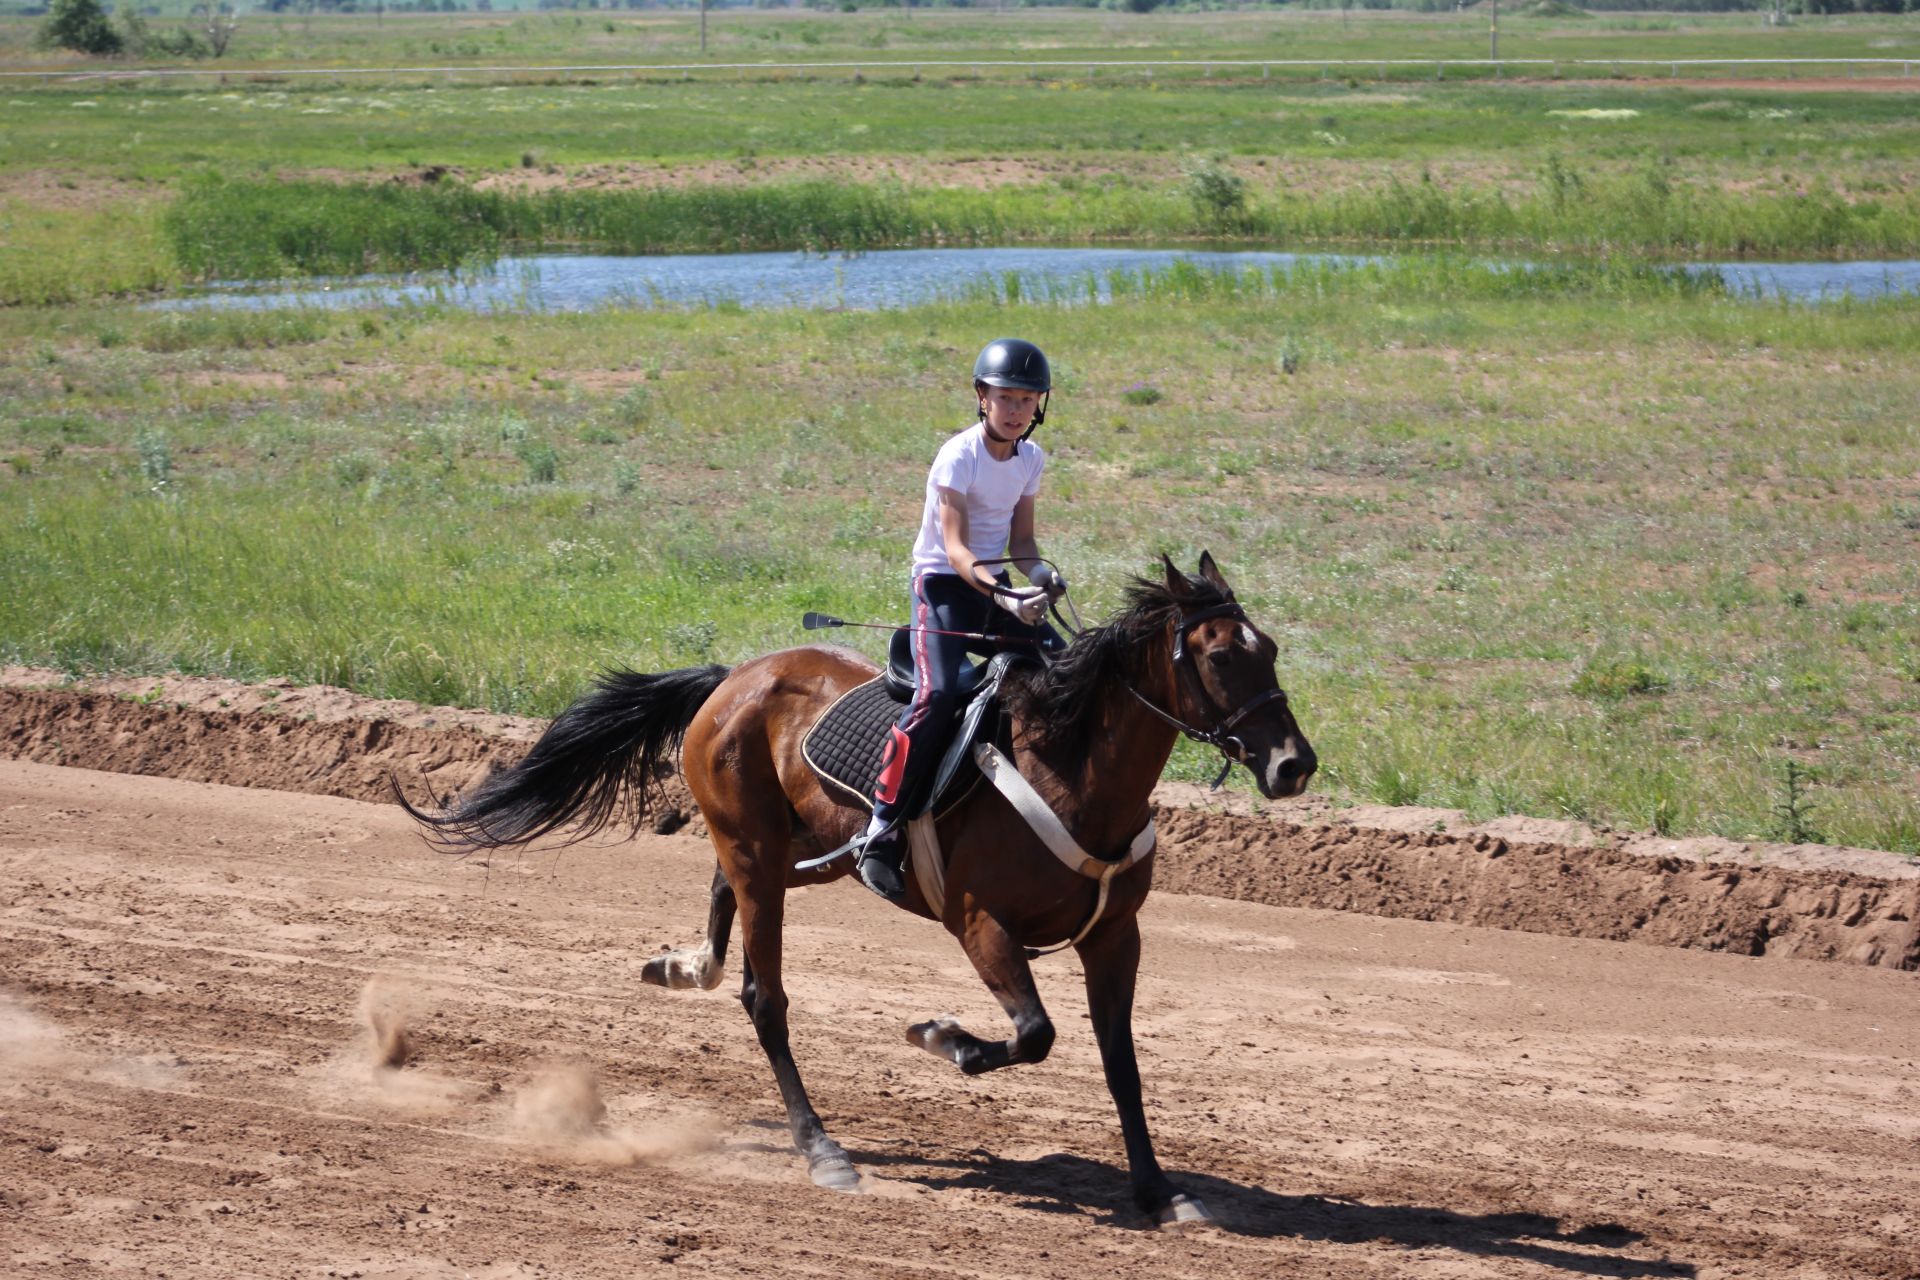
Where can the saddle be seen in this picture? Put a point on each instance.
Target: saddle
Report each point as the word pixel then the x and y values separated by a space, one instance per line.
pixel 844 745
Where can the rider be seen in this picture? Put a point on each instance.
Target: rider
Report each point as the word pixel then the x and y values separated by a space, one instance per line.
pixel 979 506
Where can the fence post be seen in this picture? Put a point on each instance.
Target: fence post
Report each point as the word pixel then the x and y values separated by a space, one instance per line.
pixel 1437 69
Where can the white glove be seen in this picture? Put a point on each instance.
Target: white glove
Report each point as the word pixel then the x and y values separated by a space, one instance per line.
pixel 1029 604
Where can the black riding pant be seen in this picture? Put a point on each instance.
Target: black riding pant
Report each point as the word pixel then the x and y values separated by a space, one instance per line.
pixel 943 602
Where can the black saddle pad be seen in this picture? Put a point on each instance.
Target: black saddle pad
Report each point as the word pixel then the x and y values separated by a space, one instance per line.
pixel 843 747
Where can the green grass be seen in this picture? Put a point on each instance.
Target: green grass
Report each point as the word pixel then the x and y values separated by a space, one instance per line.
pixel 62 255
pixel 319 40
pixel 160 132
pixel 1588 547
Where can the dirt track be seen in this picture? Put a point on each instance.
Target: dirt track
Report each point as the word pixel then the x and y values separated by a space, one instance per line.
pixel 1800 901
pixel 191 1085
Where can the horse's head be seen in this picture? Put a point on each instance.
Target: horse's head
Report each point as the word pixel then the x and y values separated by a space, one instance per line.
pixel 1224 683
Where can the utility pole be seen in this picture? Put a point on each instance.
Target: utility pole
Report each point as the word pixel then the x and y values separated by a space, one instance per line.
pixel 703 28
pixel 1493 34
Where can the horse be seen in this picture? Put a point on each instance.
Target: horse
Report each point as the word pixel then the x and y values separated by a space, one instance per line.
pixel 1091 731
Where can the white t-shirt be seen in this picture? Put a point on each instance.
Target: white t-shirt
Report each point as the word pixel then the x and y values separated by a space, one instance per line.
pixel 991 488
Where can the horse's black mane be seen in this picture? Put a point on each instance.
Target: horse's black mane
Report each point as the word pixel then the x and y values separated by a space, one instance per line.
pixel 1055 702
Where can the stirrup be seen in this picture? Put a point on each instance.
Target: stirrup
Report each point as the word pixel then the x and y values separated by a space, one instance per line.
pixel 854 845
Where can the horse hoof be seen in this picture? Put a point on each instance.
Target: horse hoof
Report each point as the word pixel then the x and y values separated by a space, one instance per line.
pixel 935 1036
pixel 1184 1211
pixel 835 1173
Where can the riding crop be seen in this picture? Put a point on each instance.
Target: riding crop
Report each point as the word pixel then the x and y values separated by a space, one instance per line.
pixel 822 621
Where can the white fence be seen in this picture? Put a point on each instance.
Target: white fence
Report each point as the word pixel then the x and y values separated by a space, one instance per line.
pixel 1378 68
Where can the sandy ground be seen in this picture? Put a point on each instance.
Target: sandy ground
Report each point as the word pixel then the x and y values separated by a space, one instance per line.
pixel 202 984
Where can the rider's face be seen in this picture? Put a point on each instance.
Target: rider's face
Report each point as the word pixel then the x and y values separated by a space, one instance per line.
pixel 1008 410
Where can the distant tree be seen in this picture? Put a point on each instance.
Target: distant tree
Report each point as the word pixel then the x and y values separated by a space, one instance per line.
pixel 216 24
pixel 80 25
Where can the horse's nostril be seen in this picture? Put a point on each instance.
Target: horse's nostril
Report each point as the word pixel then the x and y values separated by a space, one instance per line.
pixel 1288 771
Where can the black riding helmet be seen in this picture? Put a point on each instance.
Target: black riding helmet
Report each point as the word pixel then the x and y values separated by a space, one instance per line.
pixel 1014 362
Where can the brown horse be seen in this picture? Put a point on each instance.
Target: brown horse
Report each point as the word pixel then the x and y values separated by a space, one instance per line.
pixel 1092 732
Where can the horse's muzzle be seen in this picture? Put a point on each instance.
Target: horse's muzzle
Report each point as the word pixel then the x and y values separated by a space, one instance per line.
pixel 1284 771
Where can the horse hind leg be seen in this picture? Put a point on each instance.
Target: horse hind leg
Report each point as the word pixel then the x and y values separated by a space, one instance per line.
pixel 699 967
pixel 764 996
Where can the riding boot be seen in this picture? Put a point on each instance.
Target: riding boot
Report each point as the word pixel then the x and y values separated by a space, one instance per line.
pixel 882 864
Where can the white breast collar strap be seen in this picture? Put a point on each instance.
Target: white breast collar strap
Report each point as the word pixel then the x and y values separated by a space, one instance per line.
pixel 1046 824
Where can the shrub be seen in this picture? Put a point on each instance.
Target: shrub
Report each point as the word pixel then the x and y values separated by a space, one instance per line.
pixel 156 458
pixel 1618 678
pixel 541 459
pixel 1217 192
pixel 80 25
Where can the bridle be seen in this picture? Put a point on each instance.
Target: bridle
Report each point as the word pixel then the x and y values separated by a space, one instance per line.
pixel 1221 737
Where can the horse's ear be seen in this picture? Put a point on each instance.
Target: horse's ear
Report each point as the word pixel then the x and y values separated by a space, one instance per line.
pixel 1211 572
pixel 1177 585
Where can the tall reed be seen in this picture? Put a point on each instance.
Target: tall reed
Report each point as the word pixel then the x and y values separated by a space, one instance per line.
pixel 237 229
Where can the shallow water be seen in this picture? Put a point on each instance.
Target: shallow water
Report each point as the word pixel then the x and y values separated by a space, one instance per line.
pixel 891 278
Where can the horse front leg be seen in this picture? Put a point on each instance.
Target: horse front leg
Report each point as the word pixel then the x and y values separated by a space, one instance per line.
pixel 1111 957
pixel 1002 965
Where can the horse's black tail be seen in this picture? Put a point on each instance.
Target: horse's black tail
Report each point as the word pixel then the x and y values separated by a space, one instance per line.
pixel 596 760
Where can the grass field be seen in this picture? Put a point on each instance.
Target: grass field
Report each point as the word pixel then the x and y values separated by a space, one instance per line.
pixel 1579 542
pixel 1538 169
pixel 609 36
pixel 1591 552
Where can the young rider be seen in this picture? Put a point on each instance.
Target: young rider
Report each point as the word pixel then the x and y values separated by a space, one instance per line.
pixel 979 506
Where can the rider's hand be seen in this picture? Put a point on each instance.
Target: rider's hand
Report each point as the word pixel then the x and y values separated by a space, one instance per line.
pixel 1049 580
pixel 1029 604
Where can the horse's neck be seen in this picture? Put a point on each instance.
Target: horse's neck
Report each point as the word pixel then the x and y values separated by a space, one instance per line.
pixel 1102 791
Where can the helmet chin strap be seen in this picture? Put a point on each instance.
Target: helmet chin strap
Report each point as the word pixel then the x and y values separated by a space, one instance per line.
pixel 1039 419
pixel 1039 416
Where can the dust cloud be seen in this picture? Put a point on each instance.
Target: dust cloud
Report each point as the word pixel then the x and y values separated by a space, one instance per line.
pixel 561 1111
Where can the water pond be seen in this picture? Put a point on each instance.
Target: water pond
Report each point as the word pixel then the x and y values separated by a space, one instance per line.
pixel 891 278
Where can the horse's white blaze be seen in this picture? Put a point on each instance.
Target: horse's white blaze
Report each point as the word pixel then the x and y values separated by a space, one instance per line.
pixel 1248 638
pixel 1276 757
